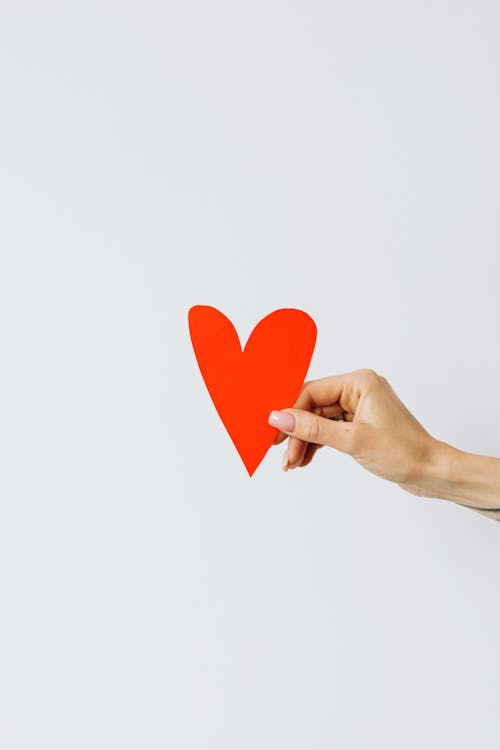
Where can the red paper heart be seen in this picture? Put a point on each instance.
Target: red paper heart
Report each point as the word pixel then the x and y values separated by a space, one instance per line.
pixel 246 385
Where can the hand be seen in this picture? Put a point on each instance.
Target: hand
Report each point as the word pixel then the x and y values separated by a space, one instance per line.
pixel 378 432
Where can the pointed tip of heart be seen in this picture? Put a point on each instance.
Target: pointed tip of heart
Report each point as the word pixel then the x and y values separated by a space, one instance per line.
pixel 252 465
pixel 251 469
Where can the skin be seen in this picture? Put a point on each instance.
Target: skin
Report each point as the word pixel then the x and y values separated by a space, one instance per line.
pixel 385 438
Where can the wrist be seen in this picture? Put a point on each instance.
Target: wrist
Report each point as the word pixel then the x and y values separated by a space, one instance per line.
pixel 460 477
pixel 434 474
pixel 439 477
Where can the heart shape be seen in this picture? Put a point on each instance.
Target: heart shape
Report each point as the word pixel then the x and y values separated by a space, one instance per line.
pixel 245 385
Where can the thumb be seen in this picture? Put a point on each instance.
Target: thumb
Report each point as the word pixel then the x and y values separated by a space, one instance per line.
pixel 311 428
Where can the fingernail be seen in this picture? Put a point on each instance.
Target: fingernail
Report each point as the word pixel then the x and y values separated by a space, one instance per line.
pixel 284 461
pixel 282 420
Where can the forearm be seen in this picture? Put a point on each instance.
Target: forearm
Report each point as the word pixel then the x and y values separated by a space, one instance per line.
pixel 463 478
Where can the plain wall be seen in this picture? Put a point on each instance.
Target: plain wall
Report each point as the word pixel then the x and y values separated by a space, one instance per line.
pixel 338 157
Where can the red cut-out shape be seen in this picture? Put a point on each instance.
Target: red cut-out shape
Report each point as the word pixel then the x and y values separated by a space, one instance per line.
pixel 246 385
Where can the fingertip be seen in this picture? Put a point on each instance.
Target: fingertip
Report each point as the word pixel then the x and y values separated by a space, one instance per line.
pixel 282 420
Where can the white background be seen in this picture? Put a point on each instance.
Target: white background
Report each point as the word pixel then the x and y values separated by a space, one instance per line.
pixel 342 158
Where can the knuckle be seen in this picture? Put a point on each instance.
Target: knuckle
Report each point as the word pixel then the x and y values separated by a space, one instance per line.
pixel 305 399
pixel 306 391
pixel 369 375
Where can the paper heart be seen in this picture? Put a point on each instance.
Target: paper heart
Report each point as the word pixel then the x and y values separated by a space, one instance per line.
pixel 245 385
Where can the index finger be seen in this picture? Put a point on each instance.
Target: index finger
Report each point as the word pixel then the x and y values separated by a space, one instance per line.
pixel 345 389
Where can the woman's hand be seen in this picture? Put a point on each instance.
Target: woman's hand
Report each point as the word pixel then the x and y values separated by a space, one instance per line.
pixel 378 432
pixel 381 434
